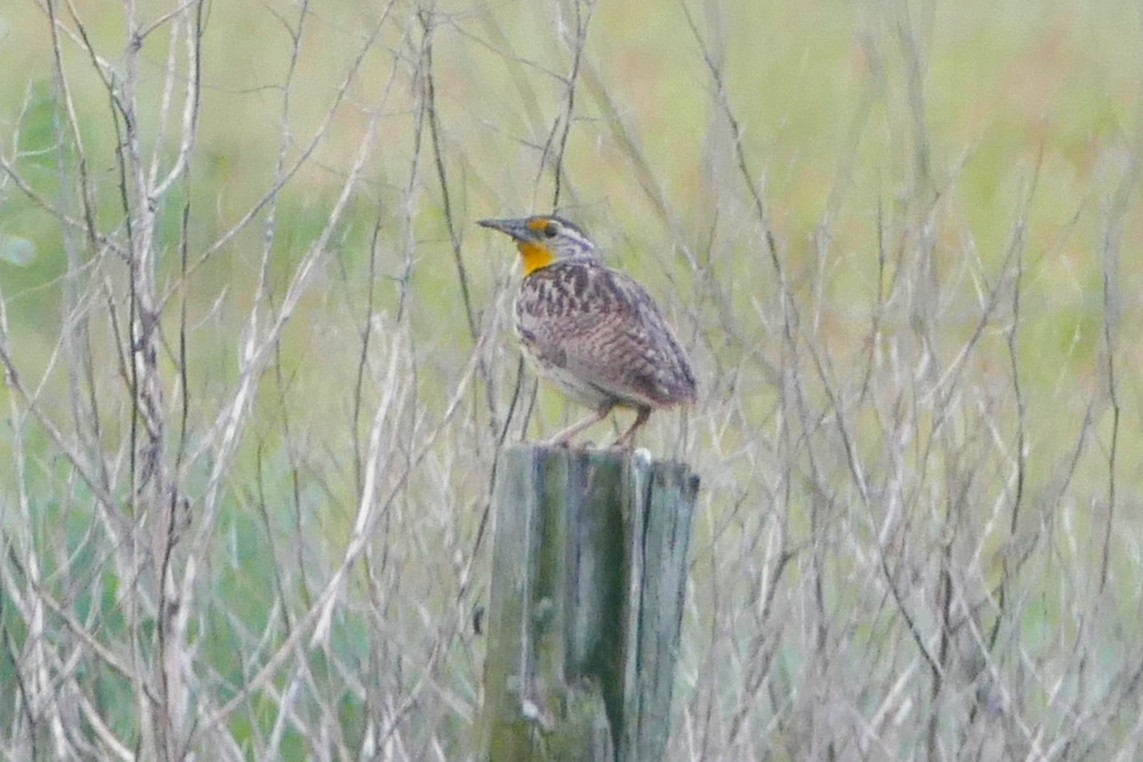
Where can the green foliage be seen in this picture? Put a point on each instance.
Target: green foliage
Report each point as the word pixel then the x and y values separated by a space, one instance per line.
pixel 935 393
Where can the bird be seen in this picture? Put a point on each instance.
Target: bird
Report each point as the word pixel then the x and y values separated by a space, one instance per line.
pixel 590 330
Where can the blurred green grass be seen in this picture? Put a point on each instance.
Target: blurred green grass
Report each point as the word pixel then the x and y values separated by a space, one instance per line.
pixel 1014 95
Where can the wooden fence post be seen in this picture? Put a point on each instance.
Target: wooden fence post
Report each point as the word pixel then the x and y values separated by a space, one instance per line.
pixel 588 578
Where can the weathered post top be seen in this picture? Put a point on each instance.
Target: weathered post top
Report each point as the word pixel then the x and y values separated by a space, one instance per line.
pixel 588 579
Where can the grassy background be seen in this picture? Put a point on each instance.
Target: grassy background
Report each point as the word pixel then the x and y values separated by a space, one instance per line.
pixel 898 240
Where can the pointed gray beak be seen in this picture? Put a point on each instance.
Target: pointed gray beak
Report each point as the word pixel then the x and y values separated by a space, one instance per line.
pixel 515 228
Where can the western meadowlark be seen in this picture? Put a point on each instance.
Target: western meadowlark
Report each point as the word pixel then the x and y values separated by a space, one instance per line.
pixel 592 331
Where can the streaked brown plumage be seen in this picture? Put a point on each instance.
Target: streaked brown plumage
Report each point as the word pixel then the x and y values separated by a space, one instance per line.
pixel 592 331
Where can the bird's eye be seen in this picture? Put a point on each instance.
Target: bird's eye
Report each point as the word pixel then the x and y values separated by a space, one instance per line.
pixel 551 229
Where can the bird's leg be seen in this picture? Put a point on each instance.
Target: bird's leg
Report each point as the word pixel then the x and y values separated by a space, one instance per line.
pixel 626 441
pixel 561 439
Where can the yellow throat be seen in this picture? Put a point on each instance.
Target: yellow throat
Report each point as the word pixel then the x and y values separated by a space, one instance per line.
pixel 535 256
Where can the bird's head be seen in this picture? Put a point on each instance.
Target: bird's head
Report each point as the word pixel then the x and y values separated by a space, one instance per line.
pixel 544 239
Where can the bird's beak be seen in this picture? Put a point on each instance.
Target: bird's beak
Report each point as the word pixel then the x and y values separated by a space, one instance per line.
pixel 515 228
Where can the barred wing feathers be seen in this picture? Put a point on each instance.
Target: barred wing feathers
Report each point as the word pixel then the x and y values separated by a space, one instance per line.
pixel 603 327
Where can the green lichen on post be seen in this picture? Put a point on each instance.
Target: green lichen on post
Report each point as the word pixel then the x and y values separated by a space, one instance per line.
pixel 589 569
pixel 584 733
